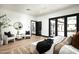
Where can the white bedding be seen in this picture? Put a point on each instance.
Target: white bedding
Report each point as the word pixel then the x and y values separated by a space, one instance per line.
pixel 56 40
pixel 68 49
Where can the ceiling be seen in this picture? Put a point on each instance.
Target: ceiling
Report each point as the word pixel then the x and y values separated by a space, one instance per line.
pixel 35 9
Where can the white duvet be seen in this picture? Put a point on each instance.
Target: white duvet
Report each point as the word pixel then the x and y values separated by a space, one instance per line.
pixel 68 49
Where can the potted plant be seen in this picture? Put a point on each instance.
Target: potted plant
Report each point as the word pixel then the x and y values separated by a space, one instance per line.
pixel 1 41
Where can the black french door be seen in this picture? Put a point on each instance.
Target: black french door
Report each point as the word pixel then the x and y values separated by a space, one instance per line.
pixel 71 25
pixel 52 27
pixel 64 25
pixel 60 28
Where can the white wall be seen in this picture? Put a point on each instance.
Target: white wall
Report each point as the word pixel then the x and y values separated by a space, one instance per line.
pixel 25 19
pixel 17 17
pixel 45 18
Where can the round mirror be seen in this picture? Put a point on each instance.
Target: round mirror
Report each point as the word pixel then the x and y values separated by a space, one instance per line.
pixel 18 25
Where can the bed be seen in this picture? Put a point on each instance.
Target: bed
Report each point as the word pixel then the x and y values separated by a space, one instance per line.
pixel 56 40
pixel 68 49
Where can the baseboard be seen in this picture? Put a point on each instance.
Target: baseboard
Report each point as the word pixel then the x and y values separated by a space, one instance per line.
pixel 33 34
pixel 44 36
pixel 41 35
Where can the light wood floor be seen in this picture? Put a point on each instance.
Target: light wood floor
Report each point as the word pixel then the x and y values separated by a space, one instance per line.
pixel 20 46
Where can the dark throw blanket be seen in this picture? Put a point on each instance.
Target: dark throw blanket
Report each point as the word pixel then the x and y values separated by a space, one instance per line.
pixel 44 46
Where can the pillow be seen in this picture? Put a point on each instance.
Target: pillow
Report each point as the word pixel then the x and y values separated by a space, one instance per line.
pixel 8 34
pixel 44 46
pixel 27 32
pixel 58 39
pixel 75 40
pixel 68 40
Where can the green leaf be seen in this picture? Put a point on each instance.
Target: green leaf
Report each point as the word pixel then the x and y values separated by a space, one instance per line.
pixel 1 24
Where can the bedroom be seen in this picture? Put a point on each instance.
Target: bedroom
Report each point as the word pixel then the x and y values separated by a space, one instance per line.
pixel 21 19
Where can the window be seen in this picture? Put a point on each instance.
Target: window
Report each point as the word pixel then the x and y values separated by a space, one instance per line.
pixel 60 27
pixel 64 25
pixel 71 25
pixel 52 26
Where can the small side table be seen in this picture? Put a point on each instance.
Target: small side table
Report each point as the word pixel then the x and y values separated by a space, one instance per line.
pixel 20 36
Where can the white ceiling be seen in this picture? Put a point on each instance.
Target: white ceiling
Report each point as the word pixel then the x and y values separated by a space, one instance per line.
pixel 35 9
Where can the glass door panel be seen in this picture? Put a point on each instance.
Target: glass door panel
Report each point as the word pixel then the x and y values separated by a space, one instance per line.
pixel 52 28
pixel 71 25
pixel 33 27
pixel 60 27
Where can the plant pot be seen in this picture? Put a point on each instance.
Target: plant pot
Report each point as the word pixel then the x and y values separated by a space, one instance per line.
pixel 1 42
